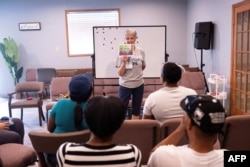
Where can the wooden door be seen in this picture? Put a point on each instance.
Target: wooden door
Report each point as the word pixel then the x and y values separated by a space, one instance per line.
pixel 240 71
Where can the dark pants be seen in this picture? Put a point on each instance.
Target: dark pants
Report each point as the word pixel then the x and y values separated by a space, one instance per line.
pixel 137 95
pixel 15 134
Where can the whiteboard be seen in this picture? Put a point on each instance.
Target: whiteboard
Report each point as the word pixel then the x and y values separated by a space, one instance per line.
pixel 107 39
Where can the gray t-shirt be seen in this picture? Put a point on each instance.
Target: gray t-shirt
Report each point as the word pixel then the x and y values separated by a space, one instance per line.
pixel 133 76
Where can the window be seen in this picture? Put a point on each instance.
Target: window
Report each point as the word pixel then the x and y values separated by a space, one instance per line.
pixel 79 27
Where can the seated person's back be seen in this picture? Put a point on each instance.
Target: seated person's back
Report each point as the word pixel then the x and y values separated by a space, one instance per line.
pixel 104 116
pixel 67 114
pixel 164 103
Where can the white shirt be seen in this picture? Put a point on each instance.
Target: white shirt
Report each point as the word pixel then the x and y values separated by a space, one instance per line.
pixel 183 156
pixel 165 102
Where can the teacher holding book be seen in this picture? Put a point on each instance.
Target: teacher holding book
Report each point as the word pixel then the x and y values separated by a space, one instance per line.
pixel 130 71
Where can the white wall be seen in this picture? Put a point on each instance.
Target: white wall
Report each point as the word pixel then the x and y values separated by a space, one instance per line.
pixel 218 59
pixel 38 48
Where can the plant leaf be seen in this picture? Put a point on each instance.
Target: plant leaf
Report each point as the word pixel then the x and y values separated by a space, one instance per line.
pixel 11 49
pixel 19 73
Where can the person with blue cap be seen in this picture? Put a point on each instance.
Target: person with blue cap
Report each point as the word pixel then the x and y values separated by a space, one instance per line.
pixel 67 114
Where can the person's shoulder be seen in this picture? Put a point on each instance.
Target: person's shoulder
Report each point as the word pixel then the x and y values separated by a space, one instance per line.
pixel 187 89
pixel 170 149
pixel 69 144
pixel 64 101
pixel 66 146
pixel 156 92
pixel 129 147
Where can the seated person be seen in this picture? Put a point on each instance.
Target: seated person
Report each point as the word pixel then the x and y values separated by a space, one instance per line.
pixel 164 103
pixel 67 114
pixel 203 120
pixel 11 131
pixel 104 116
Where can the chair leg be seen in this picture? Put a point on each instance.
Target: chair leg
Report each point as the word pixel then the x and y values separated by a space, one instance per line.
pixel 41 116
pixel 21 113
pixel 47 115
pixel 10 112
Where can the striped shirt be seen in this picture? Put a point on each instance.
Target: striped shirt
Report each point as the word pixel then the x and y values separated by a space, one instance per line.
pixel 84 155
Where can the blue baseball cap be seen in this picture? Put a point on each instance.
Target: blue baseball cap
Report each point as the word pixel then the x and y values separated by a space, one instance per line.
pixel 80 84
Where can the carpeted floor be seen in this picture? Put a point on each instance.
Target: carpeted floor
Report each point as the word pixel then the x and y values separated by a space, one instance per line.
pixel 30 118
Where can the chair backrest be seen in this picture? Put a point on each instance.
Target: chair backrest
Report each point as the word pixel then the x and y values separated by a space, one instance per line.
pixel 111 86
pixel 46 74
pixel 236 133
pixel 145 134
pixel 98 87
pixel 66 73
pixel 44 142
pixel 32 86
pixel 169 125
pixel 59 85
pixel 159 84
pixel 193 80
pixel 149 86
pixel 31 74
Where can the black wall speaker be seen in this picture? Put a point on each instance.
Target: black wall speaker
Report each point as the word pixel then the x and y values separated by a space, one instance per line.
pixel 203 35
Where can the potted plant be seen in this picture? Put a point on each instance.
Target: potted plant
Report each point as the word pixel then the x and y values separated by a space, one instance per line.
pixel 10 53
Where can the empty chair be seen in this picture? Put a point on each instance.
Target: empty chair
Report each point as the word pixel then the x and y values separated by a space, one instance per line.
pixel 194 80
pixel 142 133
pixel 111 87
pixel 66 73
pixel 25 89
pixel 98 87
pixel 236 133
pixel 45 75
pixel 31 74
pixel 44 142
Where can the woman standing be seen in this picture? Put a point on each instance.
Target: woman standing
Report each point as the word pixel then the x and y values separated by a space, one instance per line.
pixel 130 71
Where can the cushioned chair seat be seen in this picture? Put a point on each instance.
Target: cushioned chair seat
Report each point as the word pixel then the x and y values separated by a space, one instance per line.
pixel 16 155
pixel 27 103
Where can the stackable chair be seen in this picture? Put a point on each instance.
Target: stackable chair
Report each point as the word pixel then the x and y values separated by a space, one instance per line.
pixel 145 134
pixel 45 75
pixel 45 142
pixel 25 90
pixel 236 133
pixel 194 80
pixel 16 155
